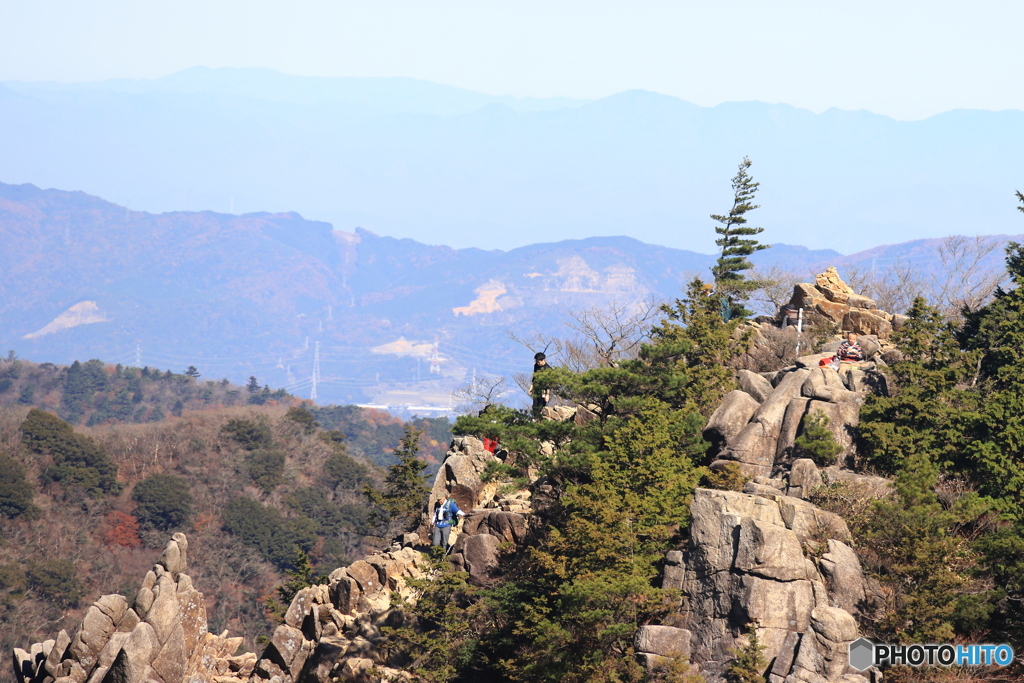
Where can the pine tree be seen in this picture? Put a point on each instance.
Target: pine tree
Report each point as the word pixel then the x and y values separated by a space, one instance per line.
pixel 749 664
pixel 731 288
pixel 817 441
pixel 404 487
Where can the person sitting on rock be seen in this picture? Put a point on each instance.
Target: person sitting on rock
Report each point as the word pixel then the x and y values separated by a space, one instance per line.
pixel 849 351
pixel 444 513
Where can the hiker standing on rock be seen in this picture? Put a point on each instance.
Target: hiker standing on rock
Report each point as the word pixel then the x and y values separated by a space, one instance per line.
pixel 540 398
pixel 444 513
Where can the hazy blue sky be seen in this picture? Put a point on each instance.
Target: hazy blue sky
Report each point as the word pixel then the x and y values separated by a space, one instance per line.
pixel 907 59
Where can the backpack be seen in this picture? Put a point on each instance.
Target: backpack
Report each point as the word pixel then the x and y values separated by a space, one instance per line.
pixel 443 513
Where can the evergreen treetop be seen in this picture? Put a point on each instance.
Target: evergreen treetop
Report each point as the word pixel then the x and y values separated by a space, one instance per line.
pixel 736 245
pixel 404 487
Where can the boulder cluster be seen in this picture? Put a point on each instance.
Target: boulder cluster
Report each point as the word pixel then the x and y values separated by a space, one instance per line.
pixel 334 629
pixel 834 300
pixel 772 564
pixel 161 638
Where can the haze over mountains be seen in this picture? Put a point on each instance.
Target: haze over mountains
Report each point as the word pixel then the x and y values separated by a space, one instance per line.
pixel 256 294
pixel 443 165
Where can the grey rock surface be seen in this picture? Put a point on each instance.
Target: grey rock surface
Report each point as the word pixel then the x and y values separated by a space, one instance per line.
pixel 731 416
pixel 667 641
pixel 754 384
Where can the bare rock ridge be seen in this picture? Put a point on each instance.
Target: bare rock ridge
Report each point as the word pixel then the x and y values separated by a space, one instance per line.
pixel 757 424
pixel 329 631
pixel 162 638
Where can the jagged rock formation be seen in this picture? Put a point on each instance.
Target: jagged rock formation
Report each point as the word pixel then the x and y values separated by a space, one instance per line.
pixel 834 300
pixel 492 518
pixel 162 638
pixel 460 475
pixel 330 630
pixel 757 424
pixel 776 563
pixel 334 629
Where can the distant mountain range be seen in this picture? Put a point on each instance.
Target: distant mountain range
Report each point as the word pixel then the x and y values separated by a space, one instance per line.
pixel 444 165
pixel 257 294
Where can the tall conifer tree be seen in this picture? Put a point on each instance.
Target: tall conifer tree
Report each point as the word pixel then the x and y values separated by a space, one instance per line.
pixel 737 243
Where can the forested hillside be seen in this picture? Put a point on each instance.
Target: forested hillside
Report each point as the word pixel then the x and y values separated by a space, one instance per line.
pixel 98 463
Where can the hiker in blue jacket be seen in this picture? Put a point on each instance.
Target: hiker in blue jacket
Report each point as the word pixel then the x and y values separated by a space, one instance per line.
pixel 444 513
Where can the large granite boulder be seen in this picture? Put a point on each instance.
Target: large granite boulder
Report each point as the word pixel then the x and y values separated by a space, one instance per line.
pixel 804 477
pixel 746 567
pixel 835 301
pixel 731 416
pixel 754 384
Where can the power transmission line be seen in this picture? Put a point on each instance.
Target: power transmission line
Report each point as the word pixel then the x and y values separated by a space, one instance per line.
pixel 316 371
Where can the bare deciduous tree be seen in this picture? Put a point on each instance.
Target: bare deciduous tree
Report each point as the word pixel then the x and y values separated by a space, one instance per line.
pixel 967 278
pixel 967 282
pixel 609 334
pixel 893 289
pixel 776 289
pixel 483 391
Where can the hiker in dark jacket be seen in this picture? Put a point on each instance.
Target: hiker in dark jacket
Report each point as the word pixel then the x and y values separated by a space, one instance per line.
pixel 540 398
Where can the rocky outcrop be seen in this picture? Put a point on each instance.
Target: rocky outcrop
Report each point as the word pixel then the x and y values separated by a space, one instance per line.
pixel 478 549
pixel 757 424
pixel 329 631
pixel 759 435
pixel 460 474
pixel 835 301
pixel 749 565
pixel 334 629
pixel 162 637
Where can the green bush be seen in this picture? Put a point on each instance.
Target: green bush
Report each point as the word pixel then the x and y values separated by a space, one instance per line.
pixel 279 540
pixel 77 459
pixel 249 434
pixel 55 581
pixel 728 478
pixel 164 502
pixel 15 490
pixel 817 442
pixel 331 519
pixel 303 418
pixel 5 385
pixel 749 663
pixel 344 472
pixel 13 580
pixel 266 468
pixel 81 382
